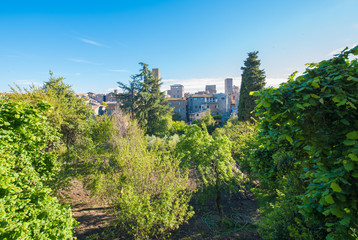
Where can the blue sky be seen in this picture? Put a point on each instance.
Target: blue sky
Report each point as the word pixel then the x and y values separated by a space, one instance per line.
pixel 94 44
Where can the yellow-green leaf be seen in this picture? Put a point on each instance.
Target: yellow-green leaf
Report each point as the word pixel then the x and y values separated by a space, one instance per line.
pixel 329 199
pixel 336 187
pixel 352 135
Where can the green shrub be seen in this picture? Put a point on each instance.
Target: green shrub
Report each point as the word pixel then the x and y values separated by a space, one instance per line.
pixel 27 208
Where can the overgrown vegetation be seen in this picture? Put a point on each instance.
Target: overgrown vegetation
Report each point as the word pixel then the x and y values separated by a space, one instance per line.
pixel 299 156
pixel 27 208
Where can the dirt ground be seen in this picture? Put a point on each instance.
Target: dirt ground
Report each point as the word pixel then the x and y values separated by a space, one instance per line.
pixel 94 218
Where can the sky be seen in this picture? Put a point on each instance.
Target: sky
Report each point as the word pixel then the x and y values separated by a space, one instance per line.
pixel 95 44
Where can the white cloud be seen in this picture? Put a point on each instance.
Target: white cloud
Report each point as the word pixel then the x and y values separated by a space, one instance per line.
pixel 79 60
pixel 85 40
pixel 118 70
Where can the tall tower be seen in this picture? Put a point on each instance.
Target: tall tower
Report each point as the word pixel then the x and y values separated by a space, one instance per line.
pixel 156 73
pixel 177 91
pixel 228 85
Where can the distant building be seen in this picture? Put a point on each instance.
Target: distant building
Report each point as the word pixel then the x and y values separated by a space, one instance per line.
pixel 196 116
pixel 179 107
pixel 156 73
pixel 210 89
pixel 223 103
pixel 202 102
pixel 176 91
pixel 228 86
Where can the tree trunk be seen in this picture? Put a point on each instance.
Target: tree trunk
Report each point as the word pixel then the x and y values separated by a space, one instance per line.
pixel 220 207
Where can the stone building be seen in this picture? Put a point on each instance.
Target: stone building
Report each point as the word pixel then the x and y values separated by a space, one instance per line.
pixel 176 91
pixel 179 107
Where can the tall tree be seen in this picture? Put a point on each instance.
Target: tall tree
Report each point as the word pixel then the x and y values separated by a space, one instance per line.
pixel 211 159
pixel 144 101
pixel 253 79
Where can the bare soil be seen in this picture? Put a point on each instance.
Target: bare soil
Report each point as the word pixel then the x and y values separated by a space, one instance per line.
pixel 94 218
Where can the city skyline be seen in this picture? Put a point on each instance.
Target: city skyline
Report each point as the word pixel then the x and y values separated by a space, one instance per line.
pixel 194 43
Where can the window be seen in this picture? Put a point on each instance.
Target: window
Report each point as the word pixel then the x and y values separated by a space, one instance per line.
pixel 170 103
pixel 177 90
pixel 195 99
pixel 179 109
pixel 179 103
pixel 177 96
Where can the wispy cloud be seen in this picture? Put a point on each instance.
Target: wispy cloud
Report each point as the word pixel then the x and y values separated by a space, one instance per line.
pixel 85 40
pixel 79 60
pixel 117 70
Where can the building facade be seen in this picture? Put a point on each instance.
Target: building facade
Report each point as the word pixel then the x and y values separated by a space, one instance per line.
pixel 179 107
pixel 228 86
pixel 176 91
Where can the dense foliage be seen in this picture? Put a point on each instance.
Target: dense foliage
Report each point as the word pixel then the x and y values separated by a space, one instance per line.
pixel 211 159
pixel 308 152
pixel 143 100
pixel 252 79
pixel 147 189
pixel 27 208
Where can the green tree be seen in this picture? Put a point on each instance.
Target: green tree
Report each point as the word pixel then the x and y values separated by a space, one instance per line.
pixel 208 120
pixel 252 79
pixel 69 115
pixel 27 208
pixel 212 160
pixel 143 99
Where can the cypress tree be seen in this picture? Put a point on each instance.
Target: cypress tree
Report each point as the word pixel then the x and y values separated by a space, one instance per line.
pixel 252 79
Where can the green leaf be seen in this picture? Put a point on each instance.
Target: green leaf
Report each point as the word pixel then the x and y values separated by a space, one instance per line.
pixel 349 166
pixel 345 221
pixel 288 138
pixel 315 84
pixel 336 211
pixel 255 93
pixel 345 122
pixel 349 142
pixel 355 174
pixel 353 156
pixel 329 199
pixel 336 187
pixel 352 135
pixel 354 50
pixel 342 102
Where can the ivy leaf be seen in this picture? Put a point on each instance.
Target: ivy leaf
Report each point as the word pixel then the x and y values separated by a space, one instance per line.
pixel 329 199
pixel 336 187
pixel 352 135
pixel 289 138
pixel 353 156
pixel 349 142
pixel 354 50
pixel 315 84
pixel 349 166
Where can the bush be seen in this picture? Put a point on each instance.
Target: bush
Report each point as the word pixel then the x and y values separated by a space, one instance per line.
pixel 27 209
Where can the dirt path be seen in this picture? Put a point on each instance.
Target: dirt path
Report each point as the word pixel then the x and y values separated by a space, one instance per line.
pixel 89 212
